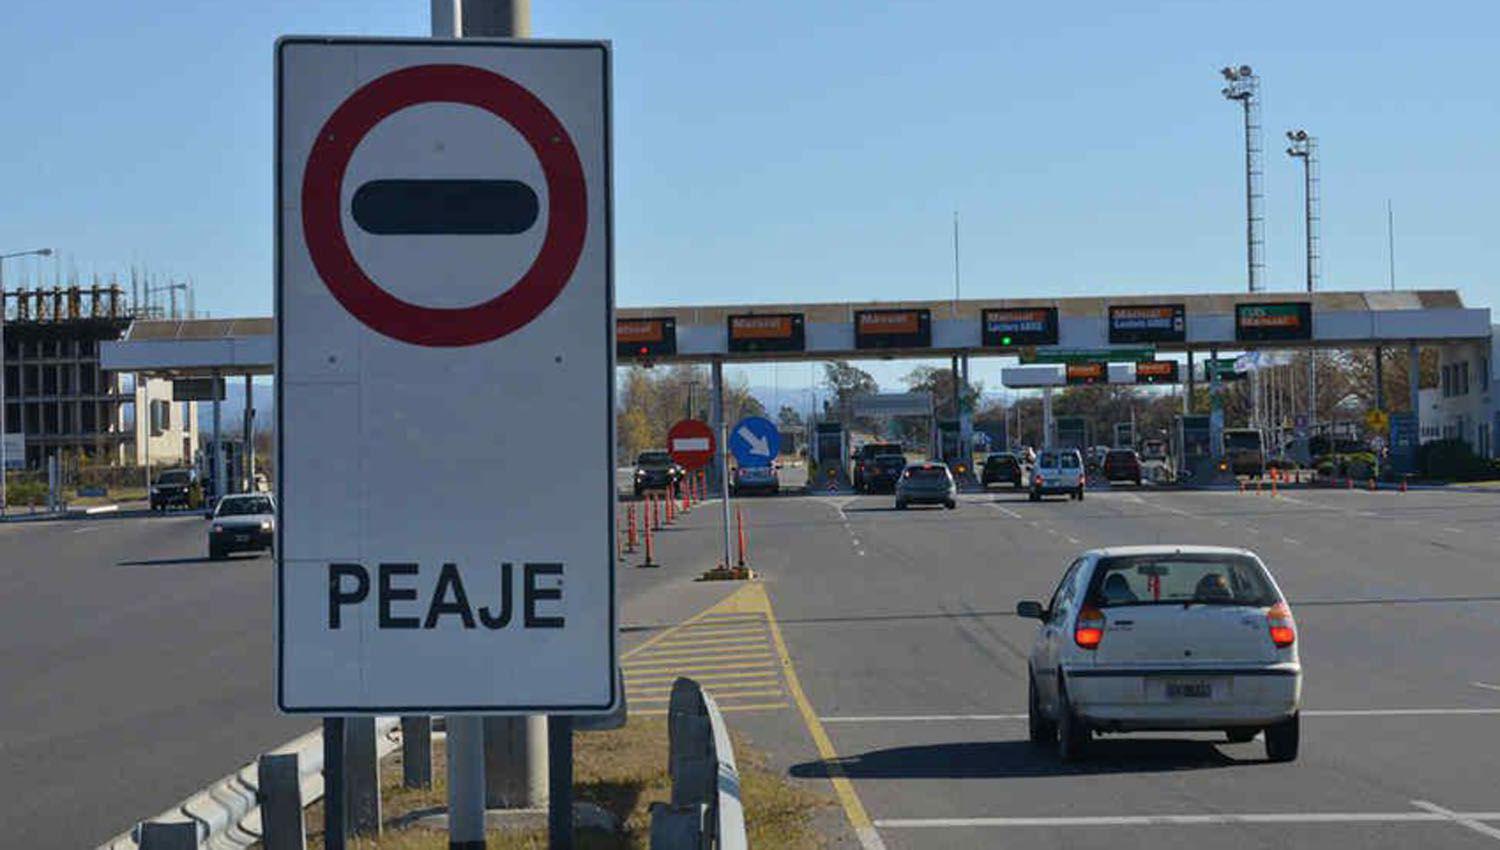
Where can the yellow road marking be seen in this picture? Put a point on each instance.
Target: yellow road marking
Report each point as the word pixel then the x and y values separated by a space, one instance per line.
pixel 722 688
pixel 759 637
pixel 766 706
pixel 711 630
pixel 774 692
pixel 709 677
pixel 699 617
pixel 695 666
pixel 730 653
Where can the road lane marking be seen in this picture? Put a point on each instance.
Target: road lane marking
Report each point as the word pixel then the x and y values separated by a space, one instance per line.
pixel 1468 820
pixel 1487 686
pixel 1004 510
pixel 1291 541
pixel 982 718
pixel 707 678
pixel 1451 530
pixel 726 709
pixel 749 638
pixel 666 695
pixel 1073 540
pixel 84 530
pixel 854 810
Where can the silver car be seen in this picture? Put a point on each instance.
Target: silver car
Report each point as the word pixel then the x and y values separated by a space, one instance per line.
pixel 244 522
pixel 926 484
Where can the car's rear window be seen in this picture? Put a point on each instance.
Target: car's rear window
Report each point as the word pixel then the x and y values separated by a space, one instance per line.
pixel 1067 460
pixel 1180 579
pixel 244 507
pixel 927 472
pixel 653 459
pixel 178 476
pixel 898 461
pixel 1121 454
pixel 1000 459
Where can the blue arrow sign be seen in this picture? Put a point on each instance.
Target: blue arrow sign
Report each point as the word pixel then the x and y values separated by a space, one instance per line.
pixel 755 441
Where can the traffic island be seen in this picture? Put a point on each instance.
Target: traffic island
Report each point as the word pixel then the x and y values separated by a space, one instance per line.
pixel 723 573
pixel 618 775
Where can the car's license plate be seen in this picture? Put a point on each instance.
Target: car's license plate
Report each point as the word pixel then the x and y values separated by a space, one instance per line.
pixel 242 538
pixel 1190 689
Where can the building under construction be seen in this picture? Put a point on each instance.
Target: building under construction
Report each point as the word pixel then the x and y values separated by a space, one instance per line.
pixel 59 402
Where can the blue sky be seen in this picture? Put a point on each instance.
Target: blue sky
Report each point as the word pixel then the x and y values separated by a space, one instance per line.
pixel 816 150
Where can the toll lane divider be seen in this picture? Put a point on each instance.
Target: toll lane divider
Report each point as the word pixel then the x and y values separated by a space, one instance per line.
pixel 705 810
pixel 227 814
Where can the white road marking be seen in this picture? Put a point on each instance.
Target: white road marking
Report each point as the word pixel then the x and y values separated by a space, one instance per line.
pixel 1451 530
pixel 1487 686
pixel 987 718
pixel 84 530
pixel 1004 510
pixel 1291 541
pixel 869 839
pixel 1468 820
pixel 1073 540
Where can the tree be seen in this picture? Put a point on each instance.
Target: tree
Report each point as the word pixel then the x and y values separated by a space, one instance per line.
pixel 788 419
pixel 941 384
pixel 848 382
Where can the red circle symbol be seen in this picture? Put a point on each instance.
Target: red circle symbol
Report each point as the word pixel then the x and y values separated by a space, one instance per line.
pixel 691 443
pixel 322 206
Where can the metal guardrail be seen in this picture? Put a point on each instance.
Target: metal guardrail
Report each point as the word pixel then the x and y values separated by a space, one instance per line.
pixel 227 813
pixel 706 812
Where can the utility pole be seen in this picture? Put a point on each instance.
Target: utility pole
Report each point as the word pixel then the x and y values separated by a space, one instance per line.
pixel 1244 86
pixel 1305 148
pixel 520 765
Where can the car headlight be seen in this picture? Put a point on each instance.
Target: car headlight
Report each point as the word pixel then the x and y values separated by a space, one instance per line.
pixel 265 525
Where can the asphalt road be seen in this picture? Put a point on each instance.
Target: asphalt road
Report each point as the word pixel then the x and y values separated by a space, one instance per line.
pixel 901 629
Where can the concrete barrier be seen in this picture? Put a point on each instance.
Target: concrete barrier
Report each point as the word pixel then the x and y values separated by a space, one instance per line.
pixel 705 811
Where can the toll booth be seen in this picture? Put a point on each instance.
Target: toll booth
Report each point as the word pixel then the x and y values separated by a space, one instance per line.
pixel 830 449
pixel 1192 445
pixel 235 475
pixel 949 438
pixel 1124 435
pixel 1072 432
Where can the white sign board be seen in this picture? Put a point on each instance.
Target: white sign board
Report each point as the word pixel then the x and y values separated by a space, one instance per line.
pixel 444 377
pixel 15 450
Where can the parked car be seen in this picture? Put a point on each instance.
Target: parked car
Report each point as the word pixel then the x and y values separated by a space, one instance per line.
pixel 926 484
pixel 864 462
pixel 655 470
pixel 242 522
pixel 176 488
pixel 1122 465
pixel 755 479
pixel 1165 638
pixel 1003 468
pixel 1057 472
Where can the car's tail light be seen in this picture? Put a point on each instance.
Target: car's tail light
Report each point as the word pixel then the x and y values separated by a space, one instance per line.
pixel 1283 628
pixel 1089 629
pixel 1080 479
pixel 218 528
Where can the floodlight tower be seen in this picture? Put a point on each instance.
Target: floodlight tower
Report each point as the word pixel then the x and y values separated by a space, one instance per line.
pixel 1244 86
pixel 1305 148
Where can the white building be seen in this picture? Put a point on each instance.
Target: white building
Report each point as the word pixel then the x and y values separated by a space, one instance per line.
pixel 1466 403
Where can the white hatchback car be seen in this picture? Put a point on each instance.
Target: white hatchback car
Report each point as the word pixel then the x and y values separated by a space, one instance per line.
pixel 1165 638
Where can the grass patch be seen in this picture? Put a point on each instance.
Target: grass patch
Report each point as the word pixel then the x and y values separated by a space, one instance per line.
pixel 623 771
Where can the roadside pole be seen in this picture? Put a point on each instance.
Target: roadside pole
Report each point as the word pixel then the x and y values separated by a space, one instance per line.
pixel 721 462
pixel 524 773
pixel 218 458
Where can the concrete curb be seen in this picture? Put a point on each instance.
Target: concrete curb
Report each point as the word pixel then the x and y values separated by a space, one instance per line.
pixel 227 812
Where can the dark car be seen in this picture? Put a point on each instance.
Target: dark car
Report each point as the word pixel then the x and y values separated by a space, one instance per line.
pixel 243 522
pixel 926 484
pixel 883 472
pixel 756 479
pixel 174 488
pixel 865 465
pixel 1122 465
pixel 1002 468
pixel 655 470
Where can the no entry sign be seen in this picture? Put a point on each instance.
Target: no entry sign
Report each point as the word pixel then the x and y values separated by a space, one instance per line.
pixel 691 443
pixel 444 321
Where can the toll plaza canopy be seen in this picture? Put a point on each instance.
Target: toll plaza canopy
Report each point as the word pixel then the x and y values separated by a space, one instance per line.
pixel 911 329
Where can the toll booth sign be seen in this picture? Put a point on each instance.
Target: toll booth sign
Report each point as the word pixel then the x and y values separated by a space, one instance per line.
pixel 1087 373
pixel 1013 326
pixel 1287 320
pixel 1156 372
pixel 766 332
pixel 645 337
pixel 1147 323
pixel 892 329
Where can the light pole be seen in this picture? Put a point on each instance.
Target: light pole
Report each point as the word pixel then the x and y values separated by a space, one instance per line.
pixel 36 252
pixel 1244 86
pixel 1305 148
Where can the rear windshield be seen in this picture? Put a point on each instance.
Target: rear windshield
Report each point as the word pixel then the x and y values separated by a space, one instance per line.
pixel 877 449
pixel 1123 454
pixel 927 472
pixel 1180 579
pixel 176 476
pixel 653 459
pixel 1067 460
pixel 1000 459
pixel 891 460
pixel 243 507
pixel 1242 440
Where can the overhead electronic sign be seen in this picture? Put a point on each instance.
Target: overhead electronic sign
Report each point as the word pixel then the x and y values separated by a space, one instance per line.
pixel 892 329
pixel 645 337
pixel 1011 326
pixel 1147 323
pixel 766 332
pixel 1156 372
pixel 1088 373
pixel 1278 322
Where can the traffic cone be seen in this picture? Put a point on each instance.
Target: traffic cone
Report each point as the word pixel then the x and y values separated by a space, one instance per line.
pixel 1349 481
pixel 655 512
pixel 630 529
pixel 650 550
pixel 687 505
pixel 1372 483
pixel 1403 483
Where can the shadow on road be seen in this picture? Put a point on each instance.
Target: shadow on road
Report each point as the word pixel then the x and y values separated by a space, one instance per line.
pixel 175 562
pixel 1015 759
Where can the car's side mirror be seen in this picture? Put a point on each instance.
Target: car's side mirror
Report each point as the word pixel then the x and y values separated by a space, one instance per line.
pixel 1031 610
